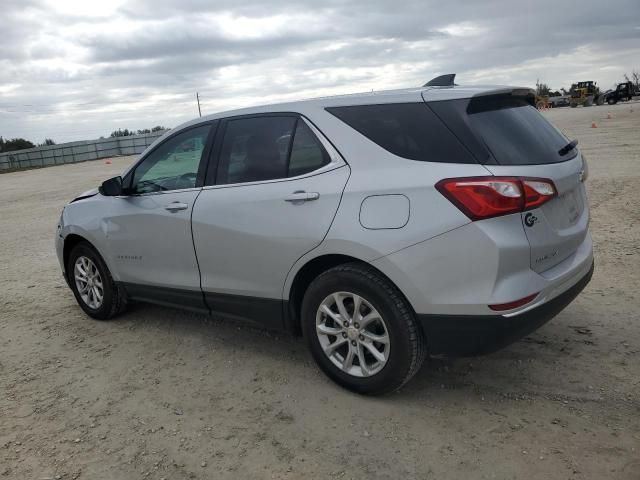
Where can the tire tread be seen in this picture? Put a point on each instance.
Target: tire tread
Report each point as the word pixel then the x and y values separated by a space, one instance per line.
pixel 418 344
pixel 119 295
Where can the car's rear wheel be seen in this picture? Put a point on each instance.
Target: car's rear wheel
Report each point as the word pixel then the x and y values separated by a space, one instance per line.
pixel 92 284
pixel 361 330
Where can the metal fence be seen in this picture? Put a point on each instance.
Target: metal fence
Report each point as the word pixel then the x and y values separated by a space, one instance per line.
pixel 76 151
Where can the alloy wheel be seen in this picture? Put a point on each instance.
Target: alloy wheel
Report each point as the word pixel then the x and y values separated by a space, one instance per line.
pixel 352 334
pixel 88 282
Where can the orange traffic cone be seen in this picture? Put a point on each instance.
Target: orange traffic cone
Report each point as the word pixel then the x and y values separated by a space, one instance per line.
pixel 593 125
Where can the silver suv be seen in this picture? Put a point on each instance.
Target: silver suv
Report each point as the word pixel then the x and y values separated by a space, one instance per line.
pixel 385 226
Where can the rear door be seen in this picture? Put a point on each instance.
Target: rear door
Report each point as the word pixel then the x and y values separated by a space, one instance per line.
pixel 512 138
pixel 271 198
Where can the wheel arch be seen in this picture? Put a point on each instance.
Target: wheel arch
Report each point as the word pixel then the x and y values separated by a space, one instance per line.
pixel 306 274
pixel 71 241
pixel 118 295
pixel 74 238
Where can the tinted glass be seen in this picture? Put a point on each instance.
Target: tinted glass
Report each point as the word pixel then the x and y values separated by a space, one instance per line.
pixel 515 132
pixel 307 153
pixel 255 149
pixel 174 164
pixel 409 130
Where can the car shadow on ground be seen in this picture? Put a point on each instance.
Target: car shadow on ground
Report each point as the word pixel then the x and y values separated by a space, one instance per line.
pixel 527 368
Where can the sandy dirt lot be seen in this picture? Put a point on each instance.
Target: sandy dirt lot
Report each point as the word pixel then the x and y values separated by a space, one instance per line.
pixel 160 393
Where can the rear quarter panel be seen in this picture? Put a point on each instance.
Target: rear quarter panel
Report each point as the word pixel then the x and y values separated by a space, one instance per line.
pixel 375 171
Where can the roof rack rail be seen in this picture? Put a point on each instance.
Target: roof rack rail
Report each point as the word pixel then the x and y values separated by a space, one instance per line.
pixel 442 81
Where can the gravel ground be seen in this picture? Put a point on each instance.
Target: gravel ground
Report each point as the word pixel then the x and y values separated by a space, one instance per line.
pixel 160 393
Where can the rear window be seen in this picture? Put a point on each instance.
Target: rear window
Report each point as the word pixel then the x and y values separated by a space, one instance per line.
pixel 515 132
pixel 409 130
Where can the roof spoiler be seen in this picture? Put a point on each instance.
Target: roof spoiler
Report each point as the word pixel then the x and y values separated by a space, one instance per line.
pixel 442 81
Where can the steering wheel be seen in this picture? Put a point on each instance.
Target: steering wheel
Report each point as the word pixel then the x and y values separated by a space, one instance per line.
pixel 186 180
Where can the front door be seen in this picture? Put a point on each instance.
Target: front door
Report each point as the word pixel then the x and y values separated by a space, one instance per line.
pixel 276 192
pixel 149 230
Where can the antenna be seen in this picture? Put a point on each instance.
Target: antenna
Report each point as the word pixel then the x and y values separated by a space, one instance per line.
pixel 198 100
pixel 442 81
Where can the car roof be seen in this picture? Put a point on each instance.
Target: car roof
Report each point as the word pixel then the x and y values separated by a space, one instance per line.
pixel 406 95
pixel 308 106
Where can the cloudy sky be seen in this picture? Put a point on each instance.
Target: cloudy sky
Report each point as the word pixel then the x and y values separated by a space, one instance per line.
pixel 78 69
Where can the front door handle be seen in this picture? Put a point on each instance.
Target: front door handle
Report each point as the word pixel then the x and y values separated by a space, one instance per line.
pixel 301 196
pixel 176 206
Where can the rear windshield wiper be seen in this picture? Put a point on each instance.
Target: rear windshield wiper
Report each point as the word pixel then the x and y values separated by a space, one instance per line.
pixel 568 147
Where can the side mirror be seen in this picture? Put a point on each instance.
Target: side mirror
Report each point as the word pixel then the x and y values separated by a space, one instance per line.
pixel 111 187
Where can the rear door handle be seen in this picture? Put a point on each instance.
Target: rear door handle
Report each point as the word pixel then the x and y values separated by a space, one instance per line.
pixel 301 196
pixel 176 206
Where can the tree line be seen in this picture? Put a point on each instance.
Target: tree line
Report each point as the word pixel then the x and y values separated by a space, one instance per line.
pixel 13 144
pixel 126 132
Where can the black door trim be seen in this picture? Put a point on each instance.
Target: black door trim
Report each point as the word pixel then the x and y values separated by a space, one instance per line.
pixel 266 312
pixel 168 297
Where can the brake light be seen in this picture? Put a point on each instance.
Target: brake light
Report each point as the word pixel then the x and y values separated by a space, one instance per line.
pixel 486 197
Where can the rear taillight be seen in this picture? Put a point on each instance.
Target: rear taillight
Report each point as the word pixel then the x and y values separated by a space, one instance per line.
pixel 537 191
pixel 486 197
pixel 584 173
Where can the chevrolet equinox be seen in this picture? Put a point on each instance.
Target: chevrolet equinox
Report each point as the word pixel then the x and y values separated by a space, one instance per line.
pixel 383 227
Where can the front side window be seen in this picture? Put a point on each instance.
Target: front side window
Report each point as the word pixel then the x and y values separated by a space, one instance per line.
pixel 173 165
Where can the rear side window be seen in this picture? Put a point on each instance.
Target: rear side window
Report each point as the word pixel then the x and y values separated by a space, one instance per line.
pixel 307 153
pixel 409 130
pixel 515 132
pixel 268 148
pixel 255 149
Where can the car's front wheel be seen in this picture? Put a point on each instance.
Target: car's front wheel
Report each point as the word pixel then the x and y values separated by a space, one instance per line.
pixel 91 282
pixel 361 330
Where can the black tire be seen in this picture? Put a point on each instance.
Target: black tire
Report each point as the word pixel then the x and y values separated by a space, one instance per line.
pixel 611 101
pixel 407 344
pixel 114 298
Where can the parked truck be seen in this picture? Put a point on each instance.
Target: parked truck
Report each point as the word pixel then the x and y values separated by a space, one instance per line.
pixel 623 92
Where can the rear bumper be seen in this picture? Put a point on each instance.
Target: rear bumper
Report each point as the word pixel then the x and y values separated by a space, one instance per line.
pixel 468 335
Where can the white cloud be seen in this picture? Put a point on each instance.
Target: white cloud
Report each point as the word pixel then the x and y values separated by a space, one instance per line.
pixel 463 29
pixel 84 8
pixel 79 69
